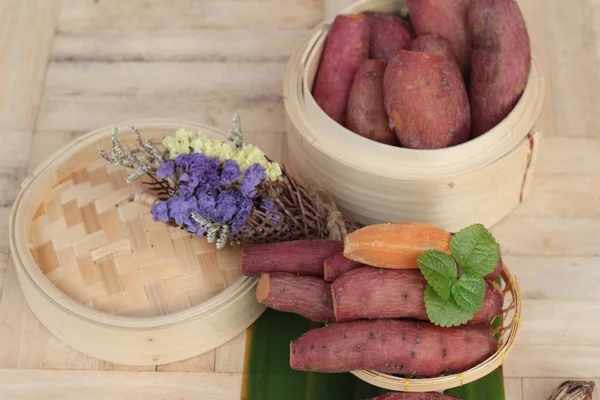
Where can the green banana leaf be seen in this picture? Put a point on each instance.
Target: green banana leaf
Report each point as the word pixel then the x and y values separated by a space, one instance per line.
pixel 268 376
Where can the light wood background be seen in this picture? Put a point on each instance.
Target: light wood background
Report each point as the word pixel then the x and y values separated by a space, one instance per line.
pixel 72 66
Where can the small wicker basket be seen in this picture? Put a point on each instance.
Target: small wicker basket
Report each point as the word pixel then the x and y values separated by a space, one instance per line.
pixel 105 278
pixel 508 324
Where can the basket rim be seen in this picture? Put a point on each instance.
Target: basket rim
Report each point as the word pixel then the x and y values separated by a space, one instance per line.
pixel 27 267
pixel 473 154
pixel 390 382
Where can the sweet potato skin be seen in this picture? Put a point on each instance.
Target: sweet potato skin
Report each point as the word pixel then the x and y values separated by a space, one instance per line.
pixel 338 265
pixel 447 18
pixel 302 257
pixel 426 100
pixel 501 61
pixel 402 347
pixel 346 48
pixel 395 245
pixel 434 44
pixel 388 35
pixel 492 276
pixel 307 296
pixel 366 111
pixel 371 293
pixel 413 396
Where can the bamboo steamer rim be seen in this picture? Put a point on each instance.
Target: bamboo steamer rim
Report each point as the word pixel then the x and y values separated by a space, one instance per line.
pixel 390 382
pixel 356 152
pixel 27 267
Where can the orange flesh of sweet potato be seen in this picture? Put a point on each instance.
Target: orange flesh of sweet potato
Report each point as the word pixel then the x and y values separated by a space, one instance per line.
pixel 402 347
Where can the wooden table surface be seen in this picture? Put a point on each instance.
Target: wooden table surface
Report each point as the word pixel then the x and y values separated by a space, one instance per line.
pixel 69 67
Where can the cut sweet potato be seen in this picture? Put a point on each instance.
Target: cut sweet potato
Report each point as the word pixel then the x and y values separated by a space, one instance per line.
pixel 338 265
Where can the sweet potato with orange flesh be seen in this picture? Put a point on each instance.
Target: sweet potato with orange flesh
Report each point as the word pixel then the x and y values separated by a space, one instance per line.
pixel 301 257
pixel 366 111
pixel 307 296
pixel 414 396
pixel 426 100
pixel 394 245
pixel 337 265
pixel 401 347
pixel 372 293
pixel 388 35
pixel 447 18
pixel 346 48
pixel 501 61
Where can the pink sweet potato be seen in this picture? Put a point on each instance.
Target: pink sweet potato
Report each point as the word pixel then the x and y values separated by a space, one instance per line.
pixel 402 347
pixel 346 48
pixel 447 18
pixel 492 276
pixel 426 100
pixel 414 396
pixel 338 265
pixel 501 61
pixel 301 257
pixel 371 293
pixel 388 35
pixel 308 296
pixel 366 111
pixel 434 44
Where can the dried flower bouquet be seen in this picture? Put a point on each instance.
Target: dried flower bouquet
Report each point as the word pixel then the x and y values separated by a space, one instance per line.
pixel 230 192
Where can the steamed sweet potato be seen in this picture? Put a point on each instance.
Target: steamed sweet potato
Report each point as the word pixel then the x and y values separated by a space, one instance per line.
pixel 366 111
pixel 402 347
pixel 338 265
pixel 501 61
pixel 388 35
pixel 426 100
pixel 414 396
pixel 308 296
pixel 301 257
pixel 447 18
pixel 346 48
pixel 434 44
pixel 371 293
pixel 492 276
pixel 394 245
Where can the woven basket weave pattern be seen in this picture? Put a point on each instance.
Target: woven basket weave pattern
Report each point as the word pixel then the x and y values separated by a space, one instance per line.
pixel 104 250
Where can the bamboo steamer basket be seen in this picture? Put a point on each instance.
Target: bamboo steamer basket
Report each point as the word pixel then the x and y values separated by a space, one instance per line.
pixel 506 326
pixel 480 181
pixel 107 280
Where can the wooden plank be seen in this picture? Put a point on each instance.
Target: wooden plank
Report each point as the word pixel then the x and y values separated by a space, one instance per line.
pixel 548 236
pixel 335 7
pixel 84 16
pixel 24 59
pixel 117 385
pixel 4 216
pixel 3 267
pixel 553 362
pixel 210 81
pixel 80 113
pixel 107 366
pixel 556 278
pixel 10 181
pixel 12 308
pixel 14 151
pixel 573 64
pixel 568 155
pixel 542 388
pixel 61 356
pixel 513 389
pixel 209 45
pixel 202 363
pixel 230 356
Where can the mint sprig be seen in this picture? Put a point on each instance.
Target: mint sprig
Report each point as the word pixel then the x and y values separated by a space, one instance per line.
pixel 454 294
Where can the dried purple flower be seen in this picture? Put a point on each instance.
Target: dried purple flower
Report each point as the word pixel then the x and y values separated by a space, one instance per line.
pixel 160 212
pixel 253 176
pixel 166 169
pixel 230 172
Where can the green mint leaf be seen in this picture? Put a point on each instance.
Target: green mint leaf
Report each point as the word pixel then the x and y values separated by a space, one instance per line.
pixel 469 292
pixel 444 313
pixel 439 269
pixel 475 250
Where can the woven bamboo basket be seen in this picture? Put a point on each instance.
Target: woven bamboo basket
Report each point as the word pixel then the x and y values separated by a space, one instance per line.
pixel 106 279
pixel 506 326
pixel 480 181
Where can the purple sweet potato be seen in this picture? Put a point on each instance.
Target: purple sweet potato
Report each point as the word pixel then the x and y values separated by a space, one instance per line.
pixel 500 62
pixel 492 276
pixel 447 18
pixel 434 44
pixel 372 293
pixel 337 265
pixel 402 347
pixel 346 48
pixel 414 396
pixel 366 111
pixel 388 35
pixel 426 100
pixel 301 257
pixel 308 296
